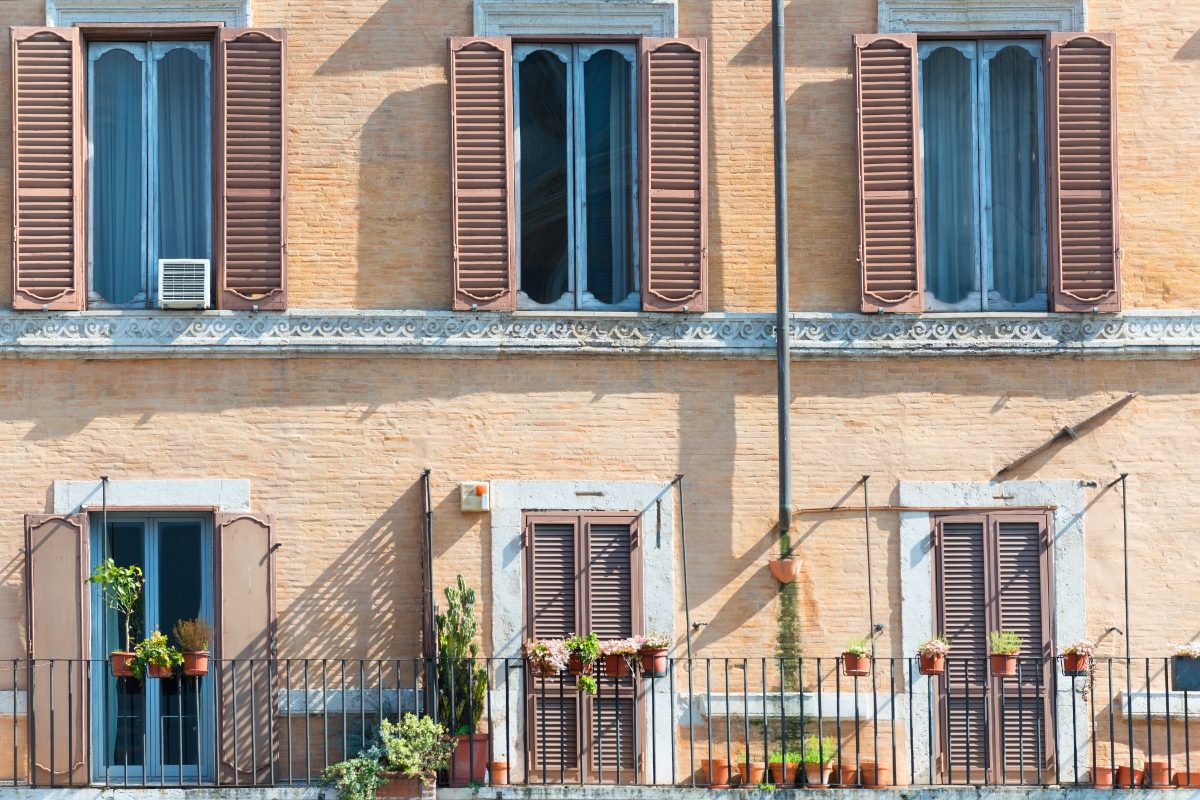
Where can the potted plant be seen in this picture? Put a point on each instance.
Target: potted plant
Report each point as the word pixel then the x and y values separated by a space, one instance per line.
pixel 122 589
pixel 932 655
pixel 1185 667
pixel 1004 648
pixel 617 654
pixel 155 657
pixel 751 772
pixel 653 652
pixel 584 651
pixel 783 766
pixel 875 775
pixel 417 747
pixel 193 637
pixel 856 658
pixel 715 772
pixel 818 753
pixel 462 683
pixel 1076 657
pixel 546 657
pixel 355 778
pixel 785 569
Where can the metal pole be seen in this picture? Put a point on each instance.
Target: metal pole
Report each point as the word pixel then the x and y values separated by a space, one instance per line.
pixel 687 606
pixel 1125 559
pixel 783 356
pixel 870 591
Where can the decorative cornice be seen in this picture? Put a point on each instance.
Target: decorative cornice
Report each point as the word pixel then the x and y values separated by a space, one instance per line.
pixel 576 17
pixel 444 333
pixel 914 16
pixel 65 13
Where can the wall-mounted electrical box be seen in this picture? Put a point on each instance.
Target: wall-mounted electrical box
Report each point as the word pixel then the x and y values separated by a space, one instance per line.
pixel 475 496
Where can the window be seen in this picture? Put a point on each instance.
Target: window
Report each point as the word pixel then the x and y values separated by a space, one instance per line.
pixel 150 181
pixel 575 128
pixel 983 142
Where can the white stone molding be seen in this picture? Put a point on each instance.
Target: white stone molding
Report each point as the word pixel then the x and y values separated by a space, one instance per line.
pixel 916 16
pixel 916 585
pixel 64 13
pixel 576 17
pixel 71 497
pixel 229 334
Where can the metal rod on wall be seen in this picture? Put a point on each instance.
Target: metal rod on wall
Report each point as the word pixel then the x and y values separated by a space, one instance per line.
pixel 866 479
pixel 1125 560
pixel 687 606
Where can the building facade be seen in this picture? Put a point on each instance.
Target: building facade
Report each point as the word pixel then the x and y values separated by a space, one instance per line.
pixel 315 307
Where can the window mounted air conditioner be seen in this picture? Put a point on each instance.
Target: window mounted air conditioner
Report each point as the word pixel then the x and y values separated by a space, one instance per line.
pixel 184 282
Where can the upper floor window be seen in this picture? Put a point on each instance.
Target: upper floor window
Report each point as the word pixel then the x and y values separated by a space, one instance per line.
pixel 982 137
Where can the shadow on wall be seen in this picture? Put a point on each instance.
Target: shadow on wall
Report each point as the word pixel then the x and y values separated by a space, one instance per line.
pixel 1190 50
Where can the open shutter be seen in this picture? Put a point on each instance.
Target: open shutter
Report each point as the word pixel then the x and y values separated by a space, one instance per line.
pixel 674 175
pixel 47 152
pixel 57 608
pixel 481 162
pixel 245 638
pixel 889 173
pixel 251 163
pixel 1083 143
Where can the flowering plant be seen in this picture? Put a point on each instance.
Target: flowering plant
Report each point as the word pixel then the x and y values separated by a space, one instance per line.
pixel 621 647
pixel 934 646
pixel 1079 647
pixel 655 641
pixel 1189 650
pixel 858 647
pixel 550 655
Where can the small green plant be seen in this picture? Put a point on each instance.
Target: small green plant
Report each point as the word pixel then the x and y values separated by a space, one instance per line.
pixel 586 684
pixel 155 651
pixel 122 588
pixel 462 679
pixel 1005 643
pixel 934 646
pixel 858 647
pixel 766 787
pixel 587 648
pixel 192 635
pixel 355 778
pixel 790 757
pixel 817 750
pixel 417 746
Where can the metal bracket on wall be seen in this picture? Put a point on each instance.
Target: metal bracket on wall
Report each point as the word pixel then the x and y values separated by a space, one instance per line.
pixel 1071 432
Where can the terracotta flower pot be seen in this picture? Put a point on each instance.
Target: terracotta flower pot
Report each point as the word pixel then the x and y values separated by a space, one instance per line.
pixel 845 775
pixel 616 666
pixel 785 570
pixel 816 776
pixel 1075 664
pixel 654 662
pixel 576 666
pixel 155 671
pixel 853 665
pixel 1004 664
pixel 1102 777
pixel 398 786
pixel 122 664
pixel 752 773
pixel 783 774
pixel 195 663
pixel 714 773
pixel 1124 775
pixel 933 664
pixel 1158 775
pixel 499 772
pixel 875 775
pixel 1189 780
pixel 468 762
pixel 540 669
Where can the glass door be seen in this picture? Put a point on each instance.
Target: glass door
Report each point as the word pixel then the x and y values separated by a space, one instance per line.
pixel 152 730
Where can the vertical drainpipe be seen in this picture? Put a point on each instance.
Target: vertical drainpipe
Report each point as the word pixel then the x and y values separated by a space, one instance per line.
pixel 782 325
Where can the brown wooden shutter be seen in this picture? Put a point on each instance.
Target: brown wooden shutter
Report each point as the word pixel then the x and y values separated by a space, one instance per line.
pixel 57 638
pixel 481 162
pixel 1086 258
pixel 889 173
pixel 674 174
pixel 251 167
pixel 47 151
pixel 245 641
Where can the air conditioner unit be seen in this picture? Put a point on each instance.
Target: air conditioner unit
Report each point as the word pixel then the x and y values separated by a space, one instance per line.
pixel 184 282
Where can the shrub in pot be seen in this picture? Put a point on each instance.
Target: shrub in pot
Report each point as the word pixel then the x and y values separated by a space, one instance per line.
pixel 122 589
pixel 817 753
pixel 355 778
pixel 546 657
pixel 462 683
pixel 417 747
pixel 1077 656
pixel 193 637
pixel 782 767
pixel 856 658
pixel 618 653
pixel 931 655
pixel 1004 647
pixel 1185 667
pixel 155 657
pixel 653 653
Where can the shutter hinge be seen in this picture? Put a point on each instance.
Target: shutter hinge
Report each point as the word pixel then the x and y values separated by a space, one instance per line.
pixel 274 646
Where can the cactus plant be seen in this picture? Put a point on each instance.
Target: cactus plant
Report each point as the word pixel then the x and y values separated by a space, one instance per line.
pixel 462 680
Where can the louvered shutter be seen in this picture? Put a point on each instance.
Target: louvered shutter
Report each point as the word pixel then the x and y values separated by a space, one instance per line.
pixel 674 174
pixel 889 173
pixel 481 162
pixel 47 151
pixel 57 608
pixel 1083 143
pixel 251 168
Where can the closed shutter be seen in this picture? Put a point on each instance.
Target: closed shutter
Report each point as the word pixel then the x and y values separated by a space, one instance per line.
pixel 889 173
pixel 1083 143
pixel 57 609
pixel 245 638
pixel 481 162
pixel 47 152
pixel 251 178
pixel 674 152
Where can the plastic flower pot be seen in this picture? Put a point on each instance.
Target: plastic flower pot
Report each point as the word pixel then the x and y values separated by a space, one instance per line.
pixel 785 570
pixel 1075 664
pixel 1126 775
pixel 122 664
pixel 752 773
pixel 616 666
pixel 576 666
pixel 1190 780
pixel 1102 777
pixel 875 775
pixel 1185 674
pixel 654 662
pixel 195 663
pixel 714 773
pixel 468 762
pixel 933 664
pixel 499 772
pixel 783 774
pixel 1004 665
pixel 155 671
pixel 1158 775
pixel 816 776
pixel 853 665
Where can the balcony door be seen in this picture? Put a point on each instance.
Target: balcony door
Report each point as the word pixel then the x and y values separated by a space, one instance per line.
pixel 152 731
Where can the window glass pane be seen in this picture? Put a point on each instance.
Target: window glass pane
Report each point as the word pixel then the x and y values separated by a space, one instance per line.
pixel 183 156
pixel 544 179
pixel 951 270
pixel 609 176
pixel 1015 135
pixel 125 722
pixel 117 176
pixel 179 593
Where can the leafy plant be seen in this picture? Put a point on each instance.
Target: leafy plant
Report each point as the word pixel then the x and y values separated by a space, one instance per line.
pixel 934 646
pixel 122 588
pixel 1005 643
pixel 155 651
pixel 193 635
pixel 1079 647
pixel 462 681
pixel 417 746
pixel 790 757
pixel 587 648
pixel 766 787
pixel 858 647
pixel 586 683
pixel 655 641
pixel 548 654
pixel 355 778
pixel 817 750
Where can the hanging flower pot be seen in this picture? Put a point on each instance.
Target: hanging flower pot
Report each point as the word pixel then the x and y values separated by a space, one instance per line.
pixel 195 663
pixel 158 671
pixel 616 665
pixel 122 664
pixel 785 570
pixel 1075 664
pixel 576 666
pixel 932 654
pixel 932 664
pixel 1004 665
pixel 1004 646
pixel 653 655
pixel 856 665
